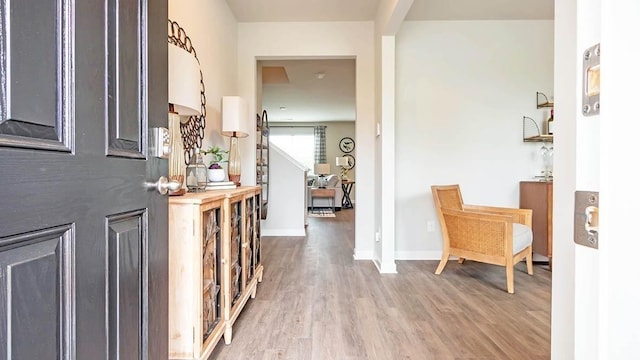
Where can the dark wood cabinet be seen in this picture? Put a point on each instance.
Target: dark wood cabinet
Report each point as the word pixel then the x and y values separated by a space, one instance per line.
pixel 538 196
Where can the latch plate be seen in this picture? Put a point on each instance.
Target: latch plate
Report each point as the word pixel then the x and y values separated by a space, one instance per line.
pixel 586 219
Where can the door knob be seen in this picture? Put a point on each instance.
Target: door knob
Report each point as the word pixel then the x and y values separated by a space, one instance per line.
pixel 163 185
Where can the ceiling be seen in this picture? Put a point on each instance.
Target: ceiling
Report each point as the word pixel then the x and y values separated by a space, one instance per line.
pixel 309 96
pixel 365 10
pixel 308 99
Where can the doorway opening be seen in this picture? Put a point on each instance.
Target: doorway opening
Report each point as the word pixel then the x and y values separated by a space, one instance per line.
pixel 311 107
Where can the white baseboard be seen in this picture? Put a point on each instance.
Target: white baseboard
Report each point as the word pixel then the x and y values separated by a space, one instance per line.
pixel 283 232
pixel 386 268
pixel 538 257
pixel 362 255
pixel 419 255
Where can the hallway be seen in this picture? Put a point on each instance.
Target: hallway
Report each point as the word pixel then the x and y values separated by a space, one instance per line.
pixel 316 302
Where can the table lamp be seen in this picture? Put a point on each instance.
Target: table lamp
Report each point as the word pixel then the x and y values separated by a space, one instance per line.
pixel 343 162
pixel 235 116
pixel 321 170
pixel 184 100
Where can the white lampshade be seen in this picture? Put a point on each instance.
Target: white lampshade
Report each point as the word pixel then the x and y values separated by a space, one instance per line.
pixel 235 116
pixel 342 161
pixel 184 81
pixel 321 169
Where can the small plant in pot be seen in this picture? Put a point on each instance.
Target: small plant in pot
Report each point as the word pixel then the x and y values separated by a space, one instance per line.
pixel 216 171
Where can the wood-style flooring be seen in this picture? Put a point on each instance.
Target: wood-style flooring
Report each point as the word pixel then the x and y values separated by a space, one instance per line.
pixel 316 302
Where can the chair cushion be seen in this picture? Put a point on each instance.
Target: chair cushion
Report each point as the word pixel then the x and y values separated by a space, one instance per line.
pixel 522 237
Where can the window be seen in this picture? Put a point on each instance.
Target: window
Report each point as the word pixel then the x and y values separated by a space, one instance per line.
pixel 298 142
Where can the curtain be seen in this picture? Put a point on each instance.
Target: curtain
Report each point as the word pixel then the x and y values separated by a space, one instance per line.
pixel 320 137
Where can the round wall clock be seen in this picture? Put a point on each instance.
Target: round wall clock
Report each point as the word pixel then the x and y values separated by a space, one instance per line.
pixel 347 144
pixel 352 161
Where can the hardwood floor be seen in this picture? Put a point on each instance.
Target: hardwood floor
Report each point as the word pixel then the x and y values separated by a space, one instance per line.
pixel 316 302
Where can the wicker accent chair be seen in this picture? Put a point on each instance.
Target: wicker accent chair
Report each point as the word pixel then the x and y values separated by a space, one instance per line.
pixel 493 235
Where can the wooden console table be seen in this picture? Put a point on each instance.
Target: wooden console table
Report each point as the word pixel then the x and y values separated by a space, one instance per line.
pixel 214 266
pixel 323 193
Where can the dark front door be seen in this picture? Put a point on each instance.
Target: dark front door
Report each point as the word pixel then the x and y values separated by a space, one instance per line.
pixel 83 243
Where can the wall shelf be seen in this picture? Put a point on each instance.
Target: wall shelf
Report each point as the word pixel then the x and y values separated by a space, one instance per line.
pixel 542 101
pixel 531 131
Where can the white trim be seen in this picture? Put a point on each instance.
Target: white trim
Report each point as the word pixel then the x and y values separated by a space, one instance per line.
pixel 283 232
pixel 419 255
pixel 362 255
pixel 386 268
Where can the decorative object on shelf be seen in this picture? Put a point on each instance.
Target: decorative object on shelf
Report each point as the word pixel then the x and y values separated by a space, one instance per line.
pixel 262 159
pixel 192 130
pixel 550 124
pixel 347 144
pixel 321 170
pixel 216 171
pixel 196 173
pixel 542 101
pixel 343 162
pixel 531 131
pixel 184 100
pixel 546 152
pixel 351 161
pixel 234 117
pixel 221 185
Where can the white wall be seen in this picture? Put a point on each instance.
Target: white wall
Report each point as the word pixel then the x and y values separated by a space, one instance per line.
pixel 566 106
pixel 320 40
pixel 389 17
pixel 213 31
pixel 462 89
pixel 287 206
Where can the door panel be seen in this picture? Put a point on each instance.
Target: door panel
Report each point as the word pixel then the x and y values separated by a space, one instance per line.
pixel 81 83
pixel 125 68
pixel 35 81
pixel 36 279
pixel 126 272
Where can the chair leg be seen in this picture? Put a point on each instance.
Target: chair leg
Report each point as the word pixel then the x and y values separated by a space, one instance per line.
pixel 443 262
pixel 530 261
pixel 509 278
pixel 460 260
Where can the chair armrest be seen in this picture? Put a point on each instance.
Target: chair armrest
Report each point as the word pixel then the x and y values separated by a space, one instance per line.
pixel 479 232
pixel 521 216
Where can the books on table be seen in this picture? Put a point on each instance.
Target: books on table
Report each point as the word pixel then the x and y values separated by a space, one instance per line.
pixel 220 185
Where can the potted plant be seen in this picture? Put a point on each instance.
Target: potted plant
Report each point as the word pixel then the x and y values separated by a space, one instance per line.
pixel 216 171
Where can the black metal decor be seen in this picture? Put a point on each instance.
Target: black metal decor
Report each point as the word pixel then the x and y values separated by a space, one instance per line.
pixel 193 130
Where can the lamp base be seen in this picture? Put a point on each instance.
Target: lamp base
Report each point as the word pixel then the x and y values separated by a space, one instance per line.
pixel 235 169
pixel 235 179
pixel 177 167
